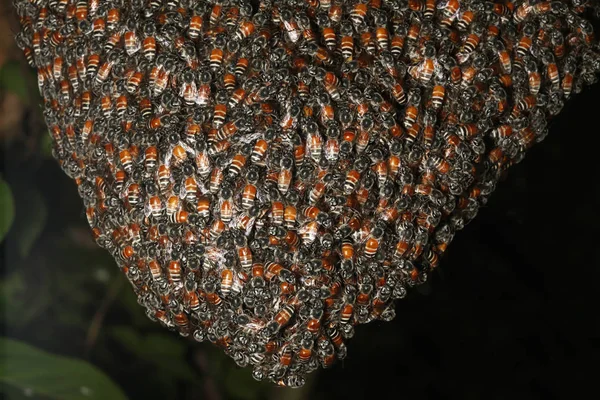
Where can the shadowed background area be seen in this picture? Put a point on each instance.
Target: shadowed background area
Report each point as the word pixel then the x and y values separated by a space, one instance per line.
pixel 510 314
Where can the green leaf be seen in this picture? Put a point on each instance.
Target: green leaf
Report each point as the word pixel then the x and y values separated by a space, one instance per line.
pixel 138 318
pixel 57 377
pixel 165 352
pixel 10 287
pixel 7 208
pixel 12 80
pixel 31 218
pixel 239 384
pixel 46 145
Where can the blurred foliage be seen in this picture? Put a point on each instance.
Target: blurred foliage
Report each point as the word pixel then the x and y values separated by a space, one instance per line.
pixel 36 371
pixel 7 208
pixel 14 79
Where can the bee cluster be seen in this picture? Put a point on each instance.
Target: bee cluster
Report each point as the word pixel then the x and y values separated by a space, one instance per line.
pixel 270 174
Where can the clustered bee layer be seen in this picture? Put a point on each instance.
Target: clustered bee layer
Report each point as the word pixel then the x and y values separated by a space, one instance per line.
pixel 270 175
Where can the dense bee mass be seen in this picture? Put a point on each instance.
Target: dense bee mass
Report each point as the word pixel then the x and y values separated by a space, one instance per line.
pixel 270 174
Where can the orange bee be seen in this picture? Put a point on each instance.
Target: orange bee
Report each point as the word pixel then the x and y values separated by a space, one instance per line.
pixel 226 282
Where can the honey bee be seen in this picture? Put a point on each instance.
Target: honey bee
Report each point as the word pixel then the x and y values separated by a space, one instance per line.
pixel 188 89
pixel 226 282
pixel 526 41
pixel 535 79
pixel 131 40
pixel 277 213
pixel 133 194
pixel 291 27
pixel 358 14
pixel 347 41
pixel 426 68
pixel 244 254
pixel 195 26
pixel 174 271
pixel 285 175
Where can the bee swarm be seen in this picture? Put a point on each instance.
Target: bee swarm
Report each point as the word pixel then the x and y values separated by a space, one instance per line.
pixel 268 175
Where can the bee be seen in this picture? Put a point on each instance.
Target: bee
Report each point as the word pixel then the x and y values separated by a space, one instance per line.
pixel 203 207
pixel 367 42
pixel 558 44
pixel 358 14
pixel 220 109
pixel 314 145
pixel 237 164
pixel 132 41
pixel 216 229
pixel 331 83
pixel 319 53
pixel 174 271
pixel 292 30
pixel 241 66
pixel 504 10
pixel 551 70
pixel 164 177
pixel 535 79
pixel 290 118
pixel 226 204
pixel 126 160
pixel 277 213
pixel 133 194
pixel 216 178
pixel 285 175
pixel 525 137
pixel 195 26
pixel 465 20
pixel 469 46
pixel 332 145
pixel 155 206
pixel 327 32
pixel 567 81
pixel 438 95
pixel 283 316
pixel 250 190
pixel 346 313
pixel 173 205
pixel 121 106
pixel 149 48
pixel 57 68
pixel 259 151
pixel 215 14
pixel 244 254
pixel 304 24
pixel 526 41
pixel 501 132
pixel 216 58
pixel 188 89
pixel 347 41
pixel 351 181
pixel 113 18
pixel 182 323
pixel 246 29
pixel 226 282
pixel 503 56
pixel 427 66
pixel 179 154
pixel 411 113
pixel 191 189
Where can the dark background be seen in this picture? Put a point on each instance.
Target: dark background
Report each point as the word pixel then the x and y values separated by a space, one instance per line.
pixel 511 314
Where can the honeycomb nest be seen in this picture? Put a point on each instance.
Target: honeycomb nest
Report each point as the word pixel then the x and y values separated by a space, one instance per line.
pixel 270 174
